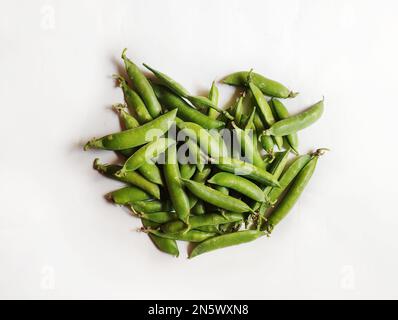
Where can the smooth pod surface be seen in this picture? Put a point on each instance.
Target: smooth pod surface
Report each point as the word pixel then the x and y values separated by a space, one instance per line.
pixel 225 240
pixel 136 136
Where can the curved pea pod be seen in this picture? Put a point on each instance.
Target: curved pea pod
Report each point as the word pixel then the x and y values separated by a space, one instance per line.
pixel 238 184
pixel 191 236
pixel 268 87
pixel 145 154
pixel 201 178
pixel 210 219
pixel 281 114
pixel 213 96
pixel 197 154
pixel 207 142
pixel 247 169
pixel 216 197
pixel 198 208
pixel 175 188
pixel 184 110
pixel 150 206
pixel 132 177
pixel 276 168
pixel 169 82
pixel 266 141
pixel 165 245
pixel 249 146
pixel 187 170
pixel 136 136
pixel 225 240
pixel 200 101
pixel 265 110
pixel 128 195
pixel 288 176
pixel 158 217
pixel 134 102
pixel 142 86
pixel 294 192
pixel 151 172
pixel 297 122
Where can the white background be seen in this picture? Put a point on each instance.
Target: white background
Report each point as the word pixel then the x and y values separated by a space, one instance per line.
pixel 59 238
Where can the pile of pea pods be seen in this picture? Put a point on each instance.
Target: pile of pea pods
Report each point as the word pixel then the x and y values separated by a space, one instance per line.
pixel 220 197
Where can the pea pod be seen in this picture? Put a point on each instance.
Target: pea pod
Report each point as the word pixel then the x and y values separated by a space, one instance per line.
pixel 225 240
pixel 128 195
pixel 268 87
pixel 213 96
pixel 246 169
pixel 128 122
pixel 175 188
pixel 134 102
pixel 198 208
pixel 201 178
pixel 216 197
pixel 249 146
pixel 132 177
pixel 145 154
pixel 151 172
pixel 265 110
pixel 288 176
pixel 142 86
pixel 297 122
pixel 136 136
pixel 187 170
pixel 158 217
pixel 169 82
pixel 238 184
pixel 298 186
pixel 165 245
pixel 199 101
pixel 208 143
pixel 191 236
pixel 210 219
pixel 266 141
pixel 197 154
pixel 282 113
pixel 150 206
pixel 184 110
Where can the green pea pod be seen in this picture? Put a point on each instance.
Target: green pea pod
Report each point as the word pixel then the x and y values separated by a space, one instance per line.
pixel 134 102
pixel 187 170
pixel 201 178
pixel 197 154
pixel 265 110
pixel 191 236
pixel 211 229
pixel 268 87
pixel 198 208
pixel 225 240
pixel 200 101
pixel 276 168
pixel 213 96
pixel 175 188
pixel 128 122
pixel 238 184
pixel 238 110
pixel 151 172
pixel 200 221
pixel 128 195
pixel 297 122
pixel 184 110
pixel 288 176
pixel 249 146
pixel 132 177
pixel 145 154
pixel 247 169
pixel 296 189
pixel 165 245
pixel 266 141
pixel 150 206
pixel 142 86
pixel 158 217
pixel 282 113
pixel 169 82
pixel 216 197
pixel 136 136
pixel 208 143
